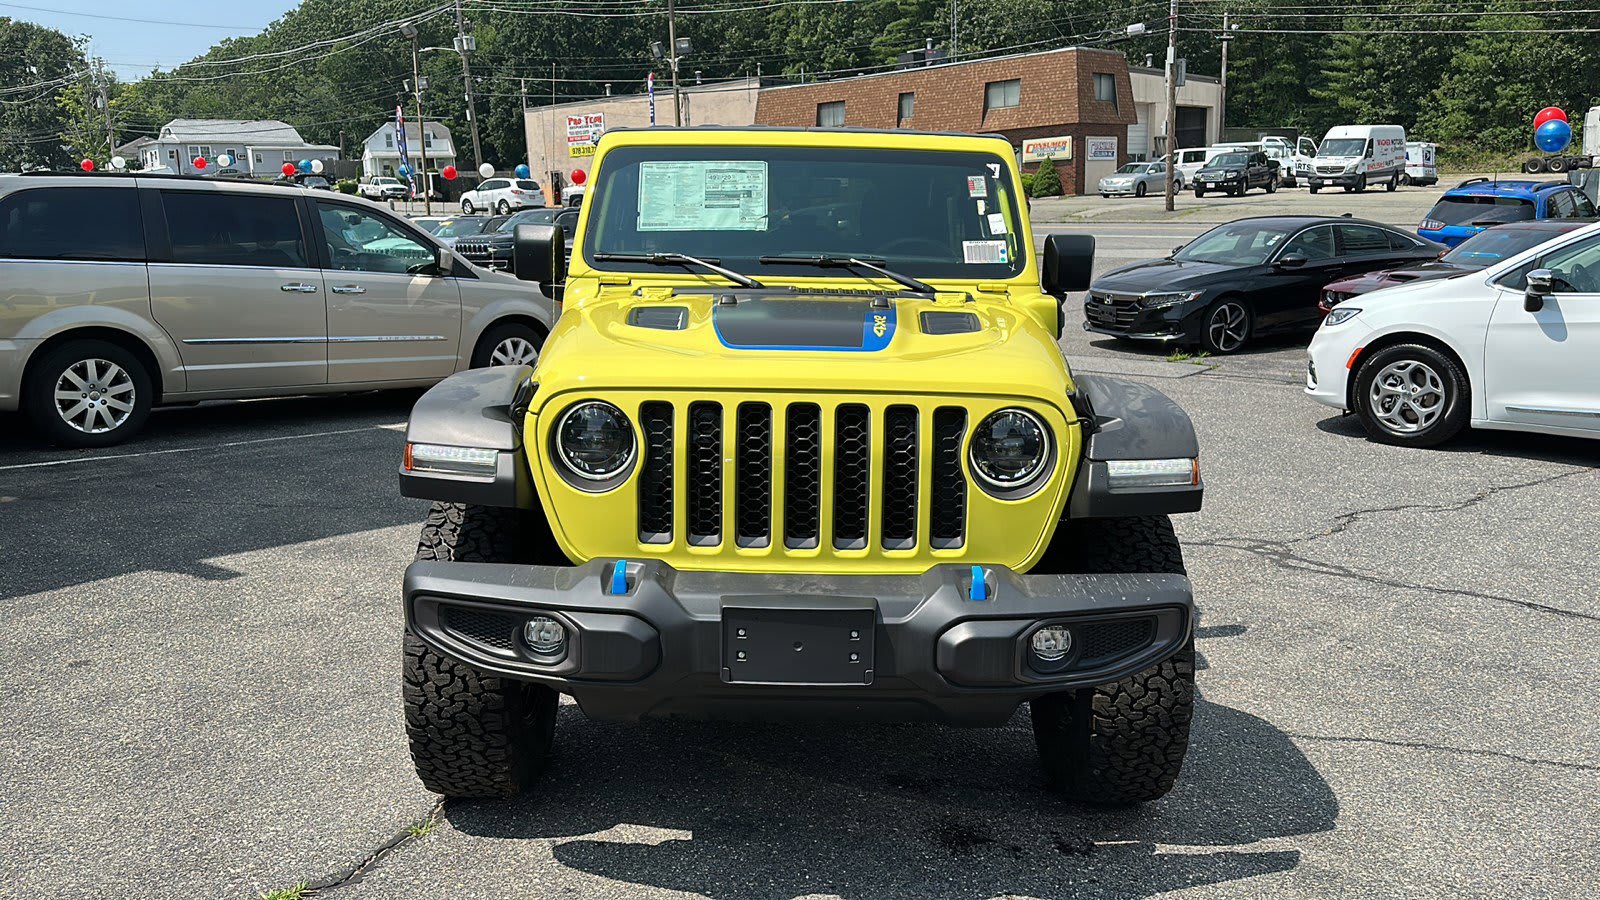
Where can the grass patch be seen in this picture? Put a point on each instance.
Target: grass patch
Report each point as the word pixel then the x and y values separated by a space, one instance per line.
pixel 1193 359
pixel 423 828
pixel 291 893
pixel 1178 356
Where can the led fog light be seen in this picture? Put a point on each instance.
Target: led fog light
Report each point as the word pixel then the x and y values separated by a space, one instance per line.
pixel 1052 643
pixel 545 636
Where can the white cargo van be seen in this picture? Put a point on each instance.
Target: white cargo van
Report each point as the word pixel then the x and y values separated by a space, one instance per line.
pixel 1354 156
pixel 1421 163
pixel 1190 160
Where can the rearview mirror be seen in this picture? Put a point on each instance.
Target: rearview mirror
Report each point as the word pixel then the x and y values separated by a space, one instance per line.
pixel 1291 261
pixel 1541 284
pixel 539 253
pixel 1068 264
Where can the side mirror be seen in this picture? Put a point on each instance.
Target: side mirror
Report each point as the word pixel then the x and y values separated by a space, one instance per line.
pixel 1068 264
pixel 1541 284
pixel 445 261
pixel 1291 261
pixel 539 253
pixel 1176 250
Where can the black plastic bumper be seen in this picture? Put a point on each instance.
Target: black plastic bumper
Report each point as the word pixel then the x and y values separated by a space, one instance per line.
pixel 750 646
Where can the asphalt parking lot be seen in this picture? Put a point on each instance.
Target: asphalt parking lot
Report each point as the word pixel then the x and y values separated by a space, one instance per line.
pixel 200 683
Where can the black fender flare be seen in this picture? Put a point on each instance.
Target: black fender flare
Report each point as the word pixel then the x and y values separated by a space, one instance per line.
pixel 477 408
pixel 1127 420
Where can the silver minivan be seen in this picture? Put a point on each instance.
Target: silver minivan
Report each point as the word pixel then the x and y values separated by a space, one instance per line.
pixel 122 292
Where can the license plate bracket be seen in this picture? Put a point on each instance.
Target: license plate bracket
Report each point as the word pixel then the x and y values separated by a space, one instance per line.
pixel 799 641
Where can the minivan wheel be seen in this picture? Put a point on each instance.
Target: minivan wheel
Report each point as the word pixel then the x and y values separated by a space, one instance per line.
pixel 467 208
pixel 1411 395
pixel 511 344
pixel 88 394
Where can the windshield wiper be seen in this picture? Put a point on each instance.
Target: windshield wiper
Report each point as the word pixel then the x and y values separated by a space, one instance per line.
pixel 848 262
pixel 679 259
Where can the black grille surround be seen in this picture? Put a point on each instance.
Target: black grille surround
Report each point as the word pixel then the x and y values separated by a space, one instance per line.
pixel 493 629
pixel 852 474
pixel 900 478
pixel 947 524
pixel 753 475
pixel 1105 642
pixel 655 473
pixel 704 475
pixel 802 476
pixel 1114 311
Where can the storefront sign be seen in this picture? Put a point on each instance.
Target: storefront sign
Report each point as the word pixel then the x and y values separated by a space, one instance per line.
pixel 1036 149
pixel 583 131
pixel 1101 149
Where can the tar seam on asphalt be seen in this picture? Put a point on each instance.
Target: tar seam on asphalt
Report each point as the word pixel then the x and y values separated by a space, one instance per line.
pixel 360 869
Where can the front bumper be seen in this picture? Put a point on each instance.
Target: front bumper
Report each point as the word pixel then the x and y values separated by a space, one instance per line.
pixel 1125 317
pixel 758 646
pixel 1127 188
pixel 1346 179
pixel 1329 362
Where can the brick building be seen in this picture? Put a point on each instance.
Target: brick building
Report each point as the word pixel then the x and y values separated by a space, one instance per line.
pixel 1073 105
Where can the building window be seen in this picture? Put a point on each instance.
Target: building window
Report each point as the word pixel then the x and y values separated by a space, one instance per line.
pixel 388 139
pixel 1105 88
pixel 1002 94
pixel 427 139
pixel 830 115
pixel 908 108
pixel 288 156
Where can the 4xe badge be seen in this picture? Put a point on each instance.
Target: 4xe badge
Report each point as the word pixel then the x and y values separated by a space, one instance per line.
pixel 880 324
pixel 877 329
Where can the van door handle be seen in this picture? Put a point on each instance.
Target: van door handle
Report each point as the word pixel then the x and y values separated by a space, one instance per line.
pixel 349 289
pixel 297 288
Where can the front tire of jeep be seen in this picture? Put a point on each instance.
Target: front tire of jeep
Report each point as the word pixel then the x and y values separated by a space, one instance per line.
pixel 1121 743
pixel 472 734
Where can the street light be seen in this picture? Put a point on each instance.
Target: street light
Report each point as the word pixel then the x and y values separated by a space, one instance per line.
pixel 680 48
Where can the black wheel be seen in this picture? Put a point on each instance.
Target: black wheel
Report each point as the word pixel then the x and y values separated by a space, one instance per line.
pixel 1533 166
pixel 466 207
pixel 1139 190
pixel 1124 742
pixel 1411 395
pixel 503 208
pixel 1361 184
pixel 1272 185
pixel 1226 326
pixel 508 344
pixel 1405 179
pixel 1199 193
pixel 1558 164
pixel 1394 182
pixel 1313 188
pixel 473 734
pixel 88 393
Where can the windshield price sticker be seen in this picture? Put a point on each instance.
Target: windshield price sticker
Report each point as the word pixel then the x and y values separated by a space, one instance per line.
pixel 984 252
pixel 703 196
pixel 977 186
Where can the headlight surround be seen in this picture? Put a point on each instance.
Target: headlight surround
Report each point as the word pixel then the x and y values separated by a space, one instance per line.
pixel 1160 301
pixel 1011 453
pixel 1340 314
pixel 594 441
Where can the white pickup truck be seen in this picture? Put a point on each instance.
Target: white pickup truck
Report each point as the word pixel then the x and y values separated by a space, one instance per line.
pixel 383 187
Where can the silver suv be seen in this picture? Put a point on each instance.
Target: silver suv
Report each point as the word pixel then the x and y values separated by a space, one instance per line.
pixel 121 292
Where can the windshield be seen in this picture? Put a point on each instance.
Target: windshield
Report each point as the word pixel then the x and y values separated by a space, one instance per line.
pixel 1344 147
pixel 1227 159
pixel 388 181
pixel 1489 247
pixel 1246 243
pixel 451 228
pixel 1481 210
pixel 527 185
pixel 1131 169
pixel 924 213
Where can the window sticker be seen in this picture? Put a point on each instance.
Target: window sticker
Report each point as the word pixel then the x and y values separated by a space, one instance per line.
pixel 997 223
pixel 994 169
pixel 984 252
pixel 977 186
pixel 722 195
pixel 983 207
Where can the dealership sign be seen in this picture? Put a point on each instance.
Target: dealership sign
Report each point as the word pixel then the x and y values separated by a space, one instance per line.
pixel 1101 149
pixel 583 131
pixel 1036 149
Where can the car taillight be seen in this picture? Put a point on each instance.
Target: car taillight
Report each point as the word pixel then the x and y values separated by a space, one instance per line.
pixel 1431 225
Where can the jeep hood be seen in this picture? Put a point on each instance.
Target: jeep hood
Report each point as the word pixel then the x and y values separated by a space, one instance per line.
pixel 809 340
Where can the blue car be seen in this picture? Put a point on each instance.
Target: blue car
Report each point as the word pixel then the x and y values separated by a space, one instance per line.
pixel 1479 203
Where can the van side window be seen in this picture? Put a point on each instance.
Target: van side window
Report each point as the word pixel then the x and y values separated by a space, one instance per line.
pixel 217 229
pixel 361 242
pixel 86 223
pixel 1561 206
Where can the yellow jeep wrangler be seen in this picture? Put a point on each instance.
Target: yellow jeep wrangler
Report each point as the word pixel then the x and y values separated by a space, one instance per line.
pixel 801 444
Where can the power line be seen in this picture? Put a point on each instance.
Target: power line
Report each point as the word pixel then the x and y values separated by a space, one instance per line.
pixel 87 15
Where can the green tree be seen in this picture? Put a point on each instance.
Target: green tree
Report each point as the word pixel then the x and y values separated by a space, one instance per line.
pixel 36 64
pixel 1047 181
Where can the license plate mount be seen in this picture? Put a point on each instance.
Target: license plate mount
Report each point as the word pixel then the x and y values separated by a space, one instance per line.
pixel 818 641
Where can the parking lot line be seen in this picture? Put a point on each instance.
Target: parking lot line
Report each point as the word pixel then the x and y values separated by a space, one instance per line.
pixel 286 437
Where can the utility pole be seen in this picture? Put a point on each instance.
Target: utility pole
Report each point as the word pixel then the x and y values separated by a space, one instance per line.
pixel 672 49
pixel 1222 86
pixel 411 32
pixel 111 133
pixel 1172 96
pixel 465 44
pixel 527 146
pixel 954 31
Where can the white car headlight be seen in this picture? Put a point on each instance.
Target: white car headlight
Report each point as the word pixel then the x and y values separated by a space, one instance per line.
pixel 1159 301
pixel 1340 314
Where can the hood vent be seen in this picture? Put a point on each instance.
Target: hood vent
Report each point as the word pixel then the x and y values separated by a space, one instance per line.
pixel 663 318
pixel 949 323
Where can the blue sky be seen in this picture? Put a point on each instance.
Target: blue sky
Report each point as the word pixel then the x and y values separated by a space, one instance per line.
pixel 132 48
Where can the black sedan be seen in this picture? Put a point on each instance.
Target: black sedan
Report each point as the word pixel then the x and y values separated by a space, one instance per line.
pixel 1243 279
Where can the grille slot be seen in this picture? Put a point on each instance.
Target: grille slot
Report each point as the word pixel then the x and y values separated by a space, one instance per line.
pixel 1110 310
pixel 947 525
pixel 900 478
pixel 802 476
pixel 704 474
pixel 1107 641
pixel 753 475
pixel 852 470
pixel 655 473
pixel 489 628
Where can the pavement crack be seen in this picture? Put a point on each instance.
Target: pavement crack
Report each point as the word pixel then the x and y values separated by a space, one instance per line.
pixel 1343 521
pixel 1441 748
pixel 415 831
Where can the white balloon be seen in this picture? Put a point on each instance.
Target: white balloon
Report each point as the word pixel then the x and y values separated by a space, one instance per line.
pixel 316 166
pixel 486 170
pixel 118 162
pixel 224 160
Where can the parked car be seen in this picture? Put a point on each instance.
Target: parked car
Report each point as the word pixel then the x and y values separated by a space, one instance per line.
pixel 1138 179
pixel 1479 203
pixel 492 247
pixel 1188 161
pixel 196 289
pixel 502 195
pixel 1513 347
pixel 1236 173
pixel 1355 156
pixel 1422 164
pixel 314 182
pixel 1477 252
pixel 448 229
pixel 1293 155
pixel 384 187
pixel 1243 279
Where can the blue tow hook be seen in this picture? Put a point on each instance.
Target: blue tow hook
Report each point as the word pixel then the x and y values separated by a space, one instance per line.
pixel 619 578
pixel 980 588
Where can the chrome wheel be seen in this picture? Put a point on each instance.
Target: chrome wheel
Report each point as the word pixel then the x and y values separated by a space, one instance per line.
pixel 1406 396
pixel 514 351
pixel 1228 327
pixel 94 396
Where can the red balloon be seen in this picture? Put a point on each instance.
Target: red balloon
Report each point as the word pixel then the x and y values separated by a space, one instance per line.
pixel 199 162
pixel 87 165
pixel 1546 114
pixel 449 173
pixel 579 176
pixel 288 170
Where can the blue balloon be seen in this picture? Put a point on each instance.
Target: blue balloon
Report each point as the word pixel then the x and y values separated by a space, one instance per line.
pixel 405 170
pixel 1553 136
pixel 305 165
pixel 523 171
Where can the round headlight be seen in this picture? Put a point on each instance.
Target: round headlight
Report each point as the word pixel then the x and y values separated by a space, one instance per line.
pixel 595 440
pixel 1009 449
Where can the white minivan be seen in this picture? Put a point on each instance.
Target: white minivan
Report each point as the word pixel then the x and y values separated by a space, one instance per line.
pixel 1355 156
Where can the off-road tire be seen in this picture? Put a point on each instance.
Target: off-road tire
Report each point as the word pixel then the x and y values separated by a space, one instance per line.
pixel 39 386
pixel 1457 399
pixel 472 734
pixel 1120 743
